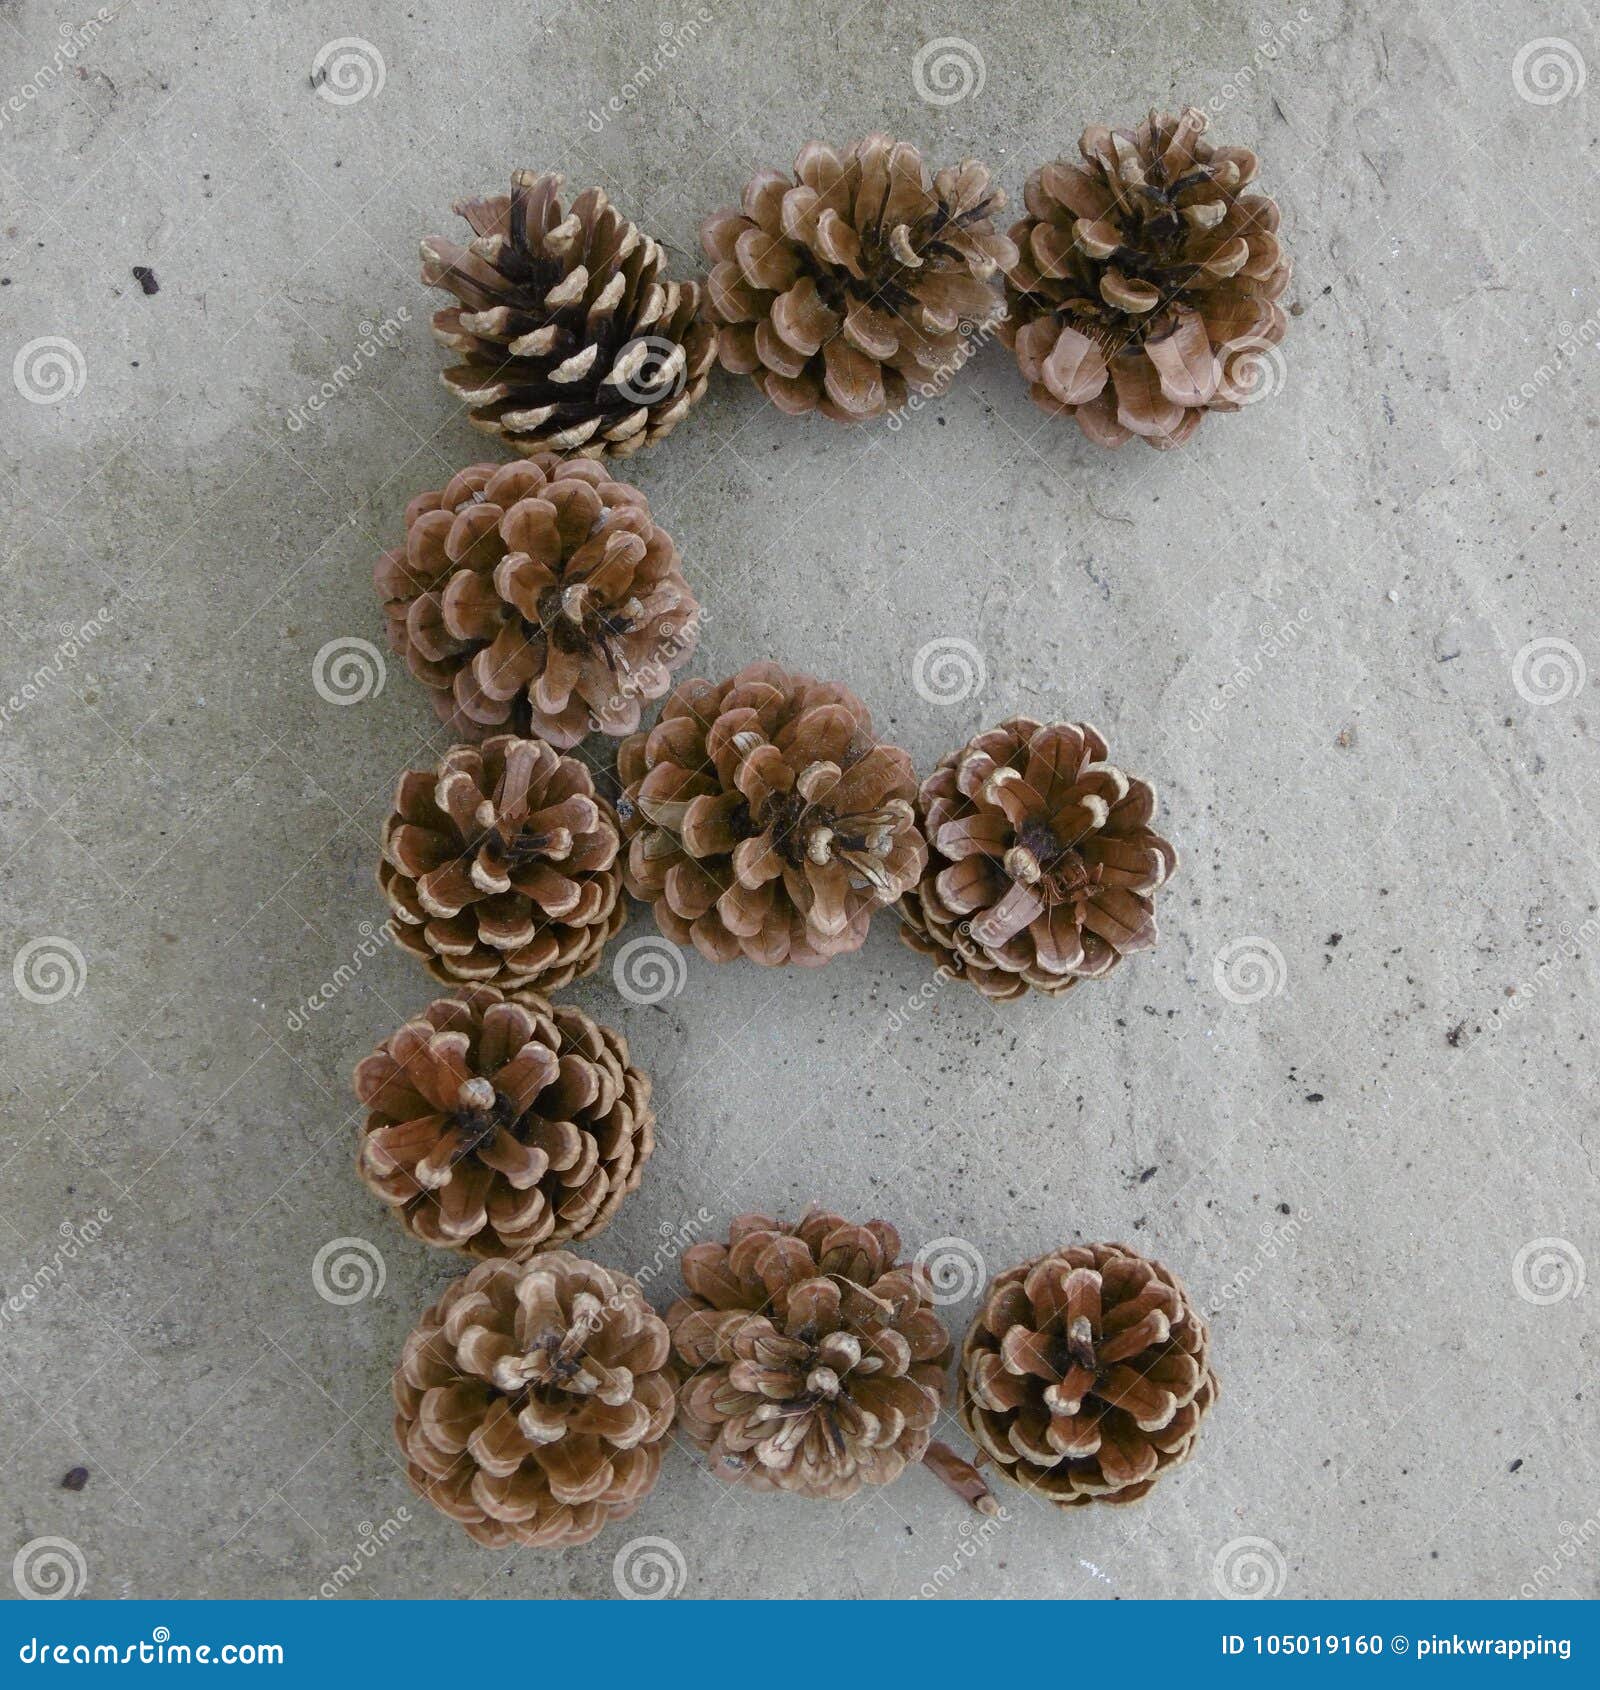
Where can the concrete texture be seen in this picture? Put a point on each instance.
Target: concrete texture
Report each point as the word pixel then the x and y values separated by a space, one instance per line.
pixel 1350 1097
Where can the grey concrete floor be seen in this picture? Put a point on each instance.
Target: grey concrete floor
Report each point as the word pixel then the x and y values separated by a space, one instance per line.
pixel 1350 1097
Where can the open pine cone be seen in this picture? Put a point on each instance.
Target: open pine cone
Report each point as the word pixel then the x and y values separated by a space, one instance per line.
pixel 841 284
pixel 500 866
pixel 503 1126
pixel 1041 861
pixel 812 1361
pixel 1146 288
pixel 570 338
pixel 532 1400
pixel 538 594
pixel 1085 1374
pixel 764 820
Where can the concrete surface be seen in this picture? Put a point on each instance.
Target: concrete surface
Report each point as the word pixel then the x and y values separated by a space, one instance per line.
pixel 1350 1096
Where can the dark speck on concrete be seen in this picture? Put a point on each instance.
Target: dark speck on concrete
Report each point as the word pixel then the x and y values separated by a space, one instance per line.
pixel 146 278
pixel 75 1478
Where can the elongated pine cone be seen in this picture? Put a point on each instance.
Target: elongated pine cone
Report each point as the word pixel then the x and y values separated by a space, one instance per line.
pixel 764 820
pixel 1041 861
pixel 532 1400
pixel 1086 1375
pixel 838 286
pixel 500 866
pixel 503 1126
pixel 537 595
pixel 812 1360
pixel 570 337
pixel 1146 288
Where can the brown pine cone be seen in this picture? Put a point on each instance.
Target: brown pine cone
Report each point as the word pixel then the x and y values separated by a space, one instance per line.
pixel 1146 287
pixel 500 866
pixel 764 819
pixel 841 284
pixel 532 1400
pixel 1085 1374
pixel 811 1361
pixel 1041 861
pixel 570 338
pixel 503 1126
pixel 537 595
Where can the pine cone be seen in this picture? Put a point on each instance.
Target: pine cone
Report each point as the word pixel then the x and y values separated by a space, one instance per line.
pixel 503 1126
pixel 570 339
pixel 500 866
pixel 1041 861
pixel 1085 1374
pixel 1146 289
pixel 537 595
pixel 811 1361
pixel 838 286
pixel 765 820
pixel 533 1398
